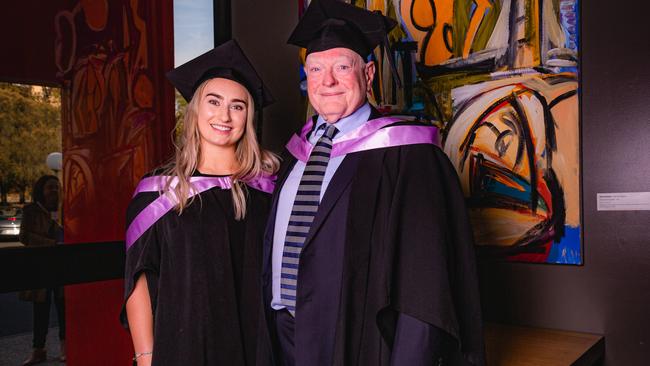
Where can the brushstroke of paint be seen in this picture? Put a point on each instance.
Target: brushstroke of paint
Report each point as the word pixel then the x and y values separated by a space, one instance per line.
pixel 568 250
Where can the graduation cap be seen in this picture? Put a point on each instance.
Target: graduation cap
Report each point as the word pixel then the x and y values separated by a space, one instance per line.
pixel 330 24
pixel 226 61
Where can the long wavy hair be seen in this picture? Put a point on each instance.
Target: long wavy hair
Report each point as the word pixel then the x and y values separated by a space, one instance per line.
pixel 253 161
pixel 38 190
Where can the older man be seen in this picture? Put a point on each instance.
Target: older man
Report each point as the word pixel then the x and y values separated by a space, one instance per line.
pixel 368 257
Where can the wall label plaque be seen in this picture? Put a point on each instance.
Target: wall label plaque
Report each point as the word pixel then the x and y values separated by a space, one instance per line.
pixel 624 201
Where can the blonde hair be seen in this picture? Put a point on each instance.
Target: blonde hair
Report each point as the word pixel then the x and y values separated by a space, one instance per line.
pixel 253 161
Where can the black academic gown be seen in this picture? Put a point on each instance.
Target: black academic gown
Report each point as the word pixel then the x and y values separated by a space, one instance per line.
pixel 203 271
pixel 391 237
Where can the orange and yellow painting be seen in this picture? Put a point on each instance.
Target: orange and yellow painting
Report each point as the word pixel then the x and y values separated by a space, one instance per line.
pixel 500 80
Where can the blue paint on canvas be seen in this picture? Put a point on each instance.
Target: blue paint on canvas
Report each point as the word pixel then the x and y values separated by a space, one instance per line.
pixel 567 251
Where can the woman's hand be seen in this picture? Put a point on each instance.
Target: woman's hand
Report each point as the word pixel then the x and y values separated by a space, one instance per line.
pixel 140 317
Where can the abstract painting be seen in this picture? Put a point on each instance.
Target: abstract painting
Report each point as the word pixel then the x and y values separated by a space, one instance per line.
pixel 500 78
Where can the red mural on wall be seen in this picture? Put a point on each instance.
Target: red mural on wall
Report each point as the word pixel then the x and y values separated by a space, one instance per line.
pixel 116 127
pixel 118 113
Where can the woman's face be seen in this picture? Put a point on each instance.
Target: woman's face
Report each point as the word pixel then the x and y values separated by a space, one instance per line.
pixel 223 109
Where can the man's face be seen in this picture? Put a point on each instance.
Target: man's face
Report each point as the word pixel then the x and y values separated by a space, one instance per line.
pixel 337 82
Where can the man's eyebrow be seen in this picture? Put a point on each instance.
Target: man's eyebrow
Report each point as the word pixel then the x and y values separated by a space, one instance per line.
pixel 337 59
pixel 240 101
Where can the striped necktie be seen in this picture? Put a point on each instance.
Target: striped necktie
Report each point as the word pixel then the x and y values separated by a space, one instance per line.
pixel 303 212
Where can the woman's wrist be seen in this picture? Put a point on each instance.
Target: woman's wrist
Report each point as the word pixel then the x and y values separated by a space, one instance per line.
pixel 139 355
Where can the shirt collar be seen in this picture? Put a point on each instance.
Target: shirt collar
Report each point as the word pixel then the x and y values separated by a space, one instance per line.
pixel 345 124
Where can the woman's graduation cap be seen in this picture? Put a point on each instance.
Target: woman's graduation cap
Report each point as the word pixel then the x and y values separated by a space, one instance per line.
pixel 330 24
pixel 226 61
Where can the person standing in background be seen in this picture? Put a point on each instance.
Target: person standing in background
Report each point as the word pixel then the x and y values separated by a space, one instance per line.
pixel 40 227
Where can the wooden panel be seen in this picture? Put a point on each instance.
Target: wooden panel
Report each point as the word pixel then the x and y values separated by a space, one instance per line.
pixel 511 345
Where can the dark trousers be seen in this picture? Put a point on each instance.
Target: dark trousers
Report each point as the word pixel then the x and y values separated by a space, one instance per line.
pixel 42 316
pixel 416 342
pixel 284 325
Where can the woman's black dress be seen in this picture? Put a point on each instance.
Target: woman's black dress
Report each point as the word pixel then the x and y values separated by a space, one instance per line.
pixel 203 274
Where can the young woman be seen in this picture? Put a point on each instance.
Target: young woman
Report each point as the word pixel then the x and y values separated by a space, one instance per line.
pixel 195 228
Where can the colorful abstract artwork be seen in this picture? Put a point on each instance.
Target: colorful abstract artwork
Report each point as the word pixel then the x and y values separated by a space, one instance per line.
pixel 500 80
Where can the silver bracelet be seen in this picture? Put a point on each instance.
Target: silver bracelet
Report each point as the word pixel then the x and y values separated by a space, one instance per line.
pixel 138 355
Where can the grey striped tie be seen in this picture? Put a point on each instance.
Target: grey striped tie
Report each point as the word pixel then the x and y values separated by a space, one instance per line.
pixel 302 215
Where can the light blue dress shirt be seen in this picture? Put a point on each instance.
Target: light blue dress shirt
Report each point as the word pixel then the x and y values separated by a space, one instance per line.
pixel 290 188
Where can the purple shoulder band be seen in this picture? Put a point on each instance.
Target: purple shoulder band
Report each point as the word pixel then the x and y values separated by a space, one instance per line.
pixel 371 135
pixel 163 204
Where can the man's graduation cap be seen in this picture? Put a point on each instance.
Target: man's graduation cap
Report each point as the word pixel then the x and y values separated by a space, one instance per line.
pixel 330 24
pixel 226 61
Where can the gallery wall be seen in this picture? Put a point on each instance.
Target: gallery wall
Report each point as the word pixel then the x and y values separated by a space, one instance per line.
pixel 610 293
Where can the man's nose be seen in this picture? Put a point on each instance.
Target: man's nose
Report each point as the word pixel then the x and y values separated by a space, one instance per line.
pixel 328 78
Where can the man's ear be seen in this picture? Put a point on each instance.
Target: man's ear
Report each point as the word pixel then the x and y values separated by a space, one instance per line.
pixel 369 72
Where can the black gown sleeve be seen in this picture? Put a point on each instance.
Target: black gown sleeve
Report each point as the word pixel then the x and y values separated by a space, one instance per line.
pixel 434 271
pixel 143 257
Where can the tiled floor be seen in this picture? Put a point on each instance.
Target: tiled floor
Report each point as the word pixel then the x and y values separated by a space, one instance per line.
pixel 15 349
